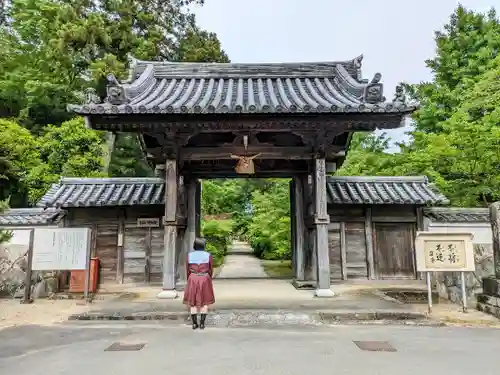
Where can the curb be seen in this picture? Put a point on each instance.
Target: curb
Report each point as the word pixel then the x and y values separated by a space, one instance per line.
pixel 269 317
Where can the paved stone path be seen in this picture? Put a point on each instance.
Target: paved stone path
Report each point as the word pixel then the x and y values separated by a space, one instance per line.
pixel 241 263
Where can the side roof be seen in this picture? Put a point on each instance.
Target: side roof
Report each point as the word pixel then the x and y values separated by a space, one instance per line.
pixel 415 190
pixel 457 215
pixel 30 217
pixel 226 88
pixel 104 192
pixel 112 192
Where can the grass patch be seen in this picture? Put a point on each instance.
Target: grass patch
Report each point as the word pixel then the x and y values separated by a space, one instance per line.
pixel 277 268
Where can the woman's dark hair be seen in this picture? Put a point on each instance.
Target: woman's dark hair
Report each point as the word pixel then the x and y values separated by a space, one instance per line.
pixel 199 243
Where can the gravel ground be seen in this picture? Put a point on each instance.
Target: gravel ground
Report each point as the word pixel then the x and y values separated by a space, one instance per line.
pixel 42 312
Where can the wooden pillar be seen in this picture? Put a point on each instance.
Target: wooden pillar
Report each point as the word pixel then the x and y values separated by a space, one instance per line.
pixel 293 232
pixel 370 258
pixel 321 221
pixel 198 209
pixel 190 232
pixel 495 228
pixel 170 227
pixel 299 246
pixel 120 259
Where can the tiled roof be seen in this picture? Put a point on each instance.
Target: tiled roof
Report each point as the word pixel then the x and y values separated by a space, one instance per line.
pixel 95 192
pixel 173 87
pixel 458 215
pixel 30 216
pixel 382 190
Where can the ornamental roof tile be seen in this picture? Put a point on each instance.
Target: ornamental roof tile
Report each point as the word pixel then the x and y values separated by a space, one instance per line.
pixel 216 88
pixel 383 190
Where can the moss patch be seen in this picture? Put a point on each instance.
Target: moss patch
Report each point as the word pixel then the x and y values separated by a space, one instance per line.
pixel 277 268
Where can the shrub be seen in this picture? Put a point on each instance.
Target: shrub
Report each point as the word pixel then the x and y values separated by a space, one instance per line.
pixel 218 236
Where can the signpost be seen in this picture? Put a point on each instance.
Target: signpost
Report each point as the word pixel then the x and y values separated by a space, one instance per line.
pixel 445 252
pixel 65 249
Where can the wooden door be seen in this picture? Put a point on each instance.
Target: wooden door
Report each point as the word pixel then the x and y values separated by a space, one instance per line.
pixel 106 245
pixel 394 250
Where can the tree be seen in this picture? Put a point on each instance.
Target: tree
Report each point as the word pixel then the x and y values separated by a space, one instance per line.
pixel 18 156
pixel 70 150
pixel 456 141
pixel 84 40
pixel 464 51
pixel 127 158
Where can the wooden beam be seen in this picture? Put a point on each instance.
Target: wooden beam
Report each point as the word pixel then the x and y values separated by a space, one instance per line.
pixel 265 152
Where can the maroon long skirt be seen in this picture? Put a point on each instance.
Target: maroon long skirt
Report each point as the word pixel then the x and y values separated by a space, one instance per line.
pixel 199 291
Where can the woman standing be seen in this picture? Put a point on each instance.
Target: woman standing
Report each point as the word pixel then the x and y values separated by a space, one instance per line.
pixel 199 292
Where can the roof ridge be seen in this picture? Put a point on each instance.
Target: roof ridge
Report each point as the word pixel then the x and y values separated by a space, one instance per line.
pixel 109 180
pixel 420 179
pixel 30 210
pixel 452 210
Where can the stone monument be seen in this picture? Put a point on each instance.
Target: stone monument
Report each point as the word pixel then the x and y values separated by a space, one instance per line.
pixel 489 301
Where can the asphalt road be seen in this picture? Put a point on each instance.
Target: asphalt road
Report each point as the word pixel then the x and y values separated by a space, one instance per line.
pixel 79 348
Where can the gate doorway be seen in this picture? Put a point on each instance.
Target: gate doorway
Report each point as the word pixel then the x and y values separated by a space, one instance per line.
pixel 247 225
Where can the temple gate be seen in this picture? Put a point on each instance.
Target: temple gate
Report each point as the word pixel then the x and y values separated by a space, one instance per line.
pixel 214 120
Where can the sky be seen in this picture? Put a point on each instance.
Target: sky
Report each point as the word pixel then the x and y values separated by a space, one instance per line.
pixel 395 38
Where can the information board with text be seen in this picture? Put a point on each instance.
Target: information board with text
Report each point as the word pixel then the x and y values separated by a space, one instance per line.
pixel 61 249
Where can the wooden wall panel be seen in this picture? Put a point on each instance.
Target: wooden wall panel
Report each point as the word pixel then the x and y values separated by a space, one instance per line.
pixel 356 250
pixel 156 258
pixel 334 248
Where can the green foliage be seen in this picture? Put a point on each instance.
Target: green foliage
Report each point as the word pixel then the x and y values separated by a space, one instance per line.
pixel 456 141
pixel 70 150
pixel 5 235
pixel 218 236
pixel 269 229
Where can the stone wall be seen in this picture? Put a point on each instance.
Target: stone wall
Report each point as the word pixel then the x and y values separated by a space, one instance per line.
pixel 448 284
pixel 13 265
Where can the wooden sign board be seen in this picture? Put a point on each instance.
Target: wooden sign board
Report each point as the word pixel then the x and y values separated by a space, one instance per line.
pixel 61 249
pixel 148 222
pixel 444 252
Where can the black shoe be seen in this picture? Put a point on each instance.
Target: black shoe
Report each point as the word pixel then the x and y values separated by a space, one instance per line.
pixel 202 321
pixel 194 320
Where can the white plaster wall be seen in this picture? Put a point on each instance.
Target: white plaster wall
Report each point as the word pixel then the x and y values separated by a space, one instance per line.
pixel 481 231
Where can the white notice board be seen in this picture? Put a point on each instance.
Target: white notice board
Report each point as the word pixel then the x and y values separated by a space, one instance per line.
pixel 61 249
pixel 444 252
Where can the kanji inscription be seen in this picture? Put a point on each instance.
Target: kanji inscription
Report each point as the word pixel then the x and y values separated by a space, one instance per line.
pixel 447 254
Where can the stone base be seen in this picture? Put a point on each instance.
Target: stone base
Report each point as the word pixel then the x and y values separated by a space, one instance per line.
pixel 304 284
pixel 491 286
pixel 323 293
pixel 167 294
